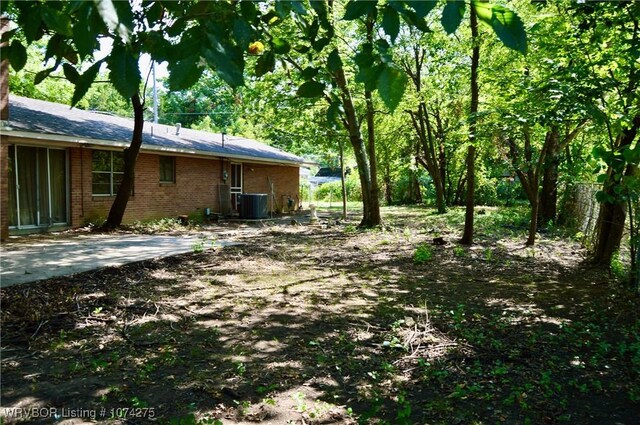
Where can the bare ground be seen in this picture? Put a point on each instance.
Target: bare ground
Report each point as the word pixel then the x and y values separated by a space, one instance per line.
pixel 326 324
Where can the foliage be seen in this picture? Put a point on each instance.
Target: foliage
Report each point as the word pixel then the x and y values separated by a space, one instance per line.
pixel 333 190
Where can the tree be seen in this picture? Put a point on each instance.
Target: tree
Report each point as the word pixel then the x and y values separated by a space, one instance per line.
pixel 430 153
pixel 510 30
pixel 619 25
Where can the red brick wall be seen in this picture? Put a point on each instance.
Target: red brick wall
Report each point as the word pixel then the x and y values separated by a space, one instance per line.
pixel 4 74
pixel 286 182
pixel 4 188
pixel 196 187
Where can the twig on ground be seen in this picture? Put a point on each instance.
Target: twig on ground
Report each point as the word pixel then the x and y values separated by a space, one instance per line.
pixel 38 329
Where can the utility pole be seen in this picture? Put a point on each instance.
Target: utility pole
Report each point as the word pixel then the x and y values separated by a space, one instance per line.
pixel 155 93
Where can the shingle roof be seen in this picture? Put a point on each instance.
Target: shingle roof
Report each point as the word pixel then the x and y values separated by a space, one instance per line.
pixel 55 119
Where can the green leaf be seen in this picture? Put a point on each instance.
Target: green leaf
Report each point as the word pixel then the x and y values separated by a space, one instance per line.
pixel 320 8
pixel 32 23
pixel 334 62
pixel 311 30
pixel 17 55
pixel 320 44
pixel 452 15
pixel 125 74
pixel 249 11
pixel 280 46
pixel 356 9
pixel 422 7
pixel 309 72
pixel 631 156
pixel 227 60
pixel 242 32
pixel 505 23
pixel 110 16
pixel 302 48
pixel 83 39
pixel 154 13
pixel 414 20
pixel 158 46
pixel 41 75
pixel 391 23
pixel 604 198
pixel 56 20
pixel 391 86
pixel 310 89
pixel 364 58
pixel 266 63
pixel 369 76
pixel 185 73
pixel 84 82
pixel 70 73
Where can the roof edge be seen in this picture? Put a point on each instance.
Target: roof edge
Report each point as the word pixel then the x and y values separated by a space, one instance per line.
pixel 86 142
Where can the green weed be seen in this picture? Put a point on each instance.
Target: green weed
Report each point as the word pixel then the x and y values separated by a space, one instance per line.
pixel 423 254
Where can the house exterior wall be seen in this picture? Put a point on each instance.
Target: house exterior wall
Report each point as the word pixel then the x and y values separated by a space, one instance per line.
pixel 196 186
pixel 285 180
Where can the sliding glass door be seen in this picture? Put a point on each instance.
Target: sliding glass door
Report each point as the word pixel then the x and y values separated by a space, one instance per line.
pixel 37 186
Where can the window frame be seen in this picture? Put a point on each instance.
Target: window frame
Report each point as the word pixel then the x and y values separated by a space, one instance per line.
pixel 110 172
pixel 173 169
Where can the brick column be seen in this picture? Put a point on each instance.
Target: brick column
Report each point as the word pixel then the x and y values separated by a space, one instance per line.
pixel 4 74
pixel 4 188
pixel 4 147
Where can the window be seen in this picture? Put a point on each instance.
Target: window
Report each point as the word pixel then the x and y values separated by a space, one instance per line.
pixel 167 169
pixel 108 171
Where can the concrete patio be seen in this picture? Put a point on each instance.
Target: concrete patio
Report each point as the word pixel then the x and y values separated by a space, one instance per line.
pixel 33 260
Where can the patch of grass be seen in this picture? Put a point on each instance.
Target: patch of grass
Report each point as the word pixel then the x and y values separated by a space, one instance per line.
pixel 423 254
pixel 459 251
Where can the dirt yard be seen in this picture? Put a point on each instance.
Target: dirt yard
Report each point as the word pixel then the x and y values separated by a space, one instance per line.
pixel 331 325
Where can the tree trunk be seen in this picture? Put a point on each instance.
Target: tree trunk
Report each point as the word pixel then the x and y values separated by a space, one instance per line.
pixel 549 194
pixel 373 163
pixel 130 157
pixel 467 237
pixel 610 230
pixel 415 194
pixel 387 184
pixel 612 215
pixel 342 181
pixel 370 208
pixel 534 201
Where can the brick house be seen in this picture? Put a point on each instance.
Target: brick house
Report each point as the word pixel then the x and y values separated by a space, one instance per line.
pixel 61 168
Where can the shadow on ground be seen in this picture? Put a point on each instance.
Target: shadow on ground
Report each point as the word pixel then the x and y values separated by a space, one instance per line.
pixel 328 325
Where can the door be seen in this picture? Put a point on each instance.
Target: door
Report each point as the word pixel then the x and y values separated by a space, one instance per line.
pixel 236 185
pixel 37 186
